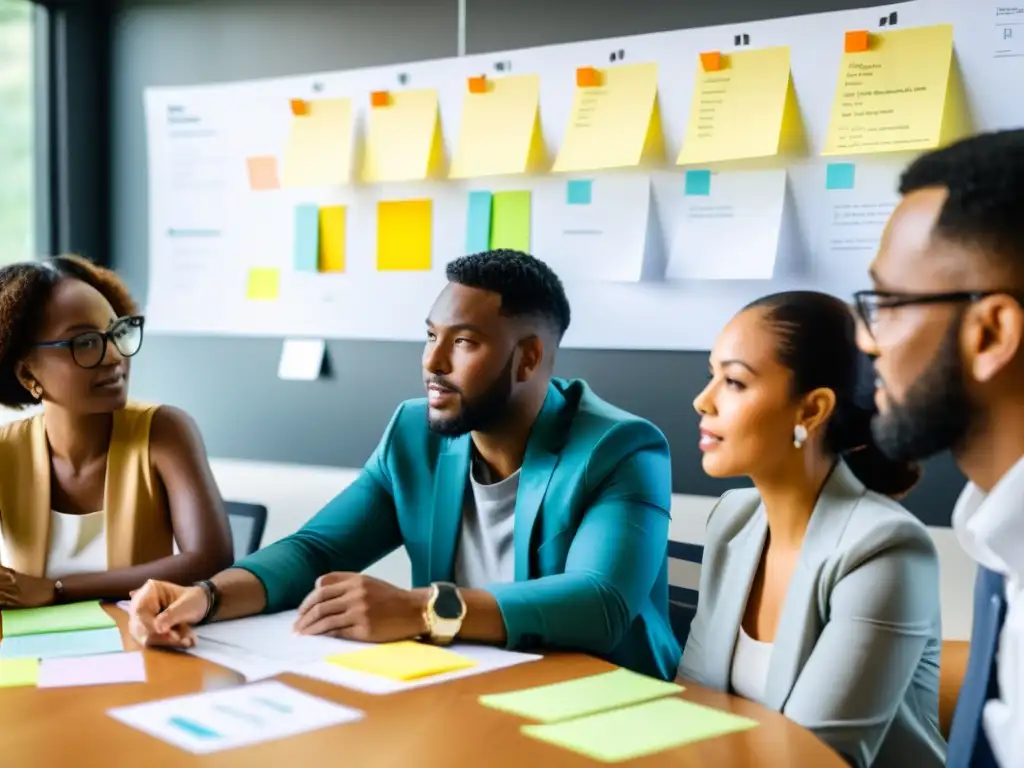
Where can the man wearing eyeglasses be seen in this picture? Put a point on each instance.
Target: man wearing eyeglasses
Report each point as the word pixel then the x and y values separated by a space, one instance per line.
pixel 945 324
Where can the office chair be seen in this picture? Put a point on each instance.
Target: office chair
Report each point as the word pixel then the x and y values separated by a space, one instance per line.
pixel 247 522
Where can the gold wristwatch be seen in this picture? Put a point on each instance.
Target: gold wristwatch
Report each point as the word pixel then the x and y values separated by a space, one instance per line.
pixel 444 612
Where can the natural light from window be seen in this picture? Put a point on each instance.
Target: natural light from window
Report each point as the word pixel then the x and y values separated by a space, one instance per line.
pixel 16 132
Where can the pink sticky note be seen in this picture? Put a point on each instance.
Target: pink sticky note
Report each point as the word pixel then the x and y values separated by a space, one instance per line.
pixel 106 669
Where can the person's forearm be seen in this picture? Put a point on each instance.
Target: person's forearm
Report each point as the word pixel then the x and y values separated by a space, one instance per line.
pixel 185 568
pixel 241 594
pixel 483 622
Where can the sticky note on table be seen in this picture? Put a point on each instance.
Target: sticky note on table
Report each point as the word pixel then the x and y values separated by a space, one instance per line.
pixel 54 618
pixel 262 173
pixel 840 176
pixel 93 670
pixel 897 95
pixel 306 238
pixel 745 109
pixel 404 234
pixel 616 124
pixel 319 149
pixel 262 284
pixel 407 660
pixel 579 191
pixel 644 729
pixel 510 221
pixel 332 239
pixel 403 138
pixel 500 129
pixel 585 696
pixel 15 673
pixel 698 183
pixel 55 645
pixel 478 221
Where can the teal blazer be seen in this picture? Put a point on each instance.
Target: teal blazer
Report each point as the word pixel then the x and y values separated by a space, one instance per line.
pixel 590 537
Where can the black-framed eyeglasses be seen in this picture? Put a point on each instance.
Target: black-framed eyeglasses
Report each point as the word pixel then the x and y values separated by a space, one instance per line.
pixel 88 349
pixel 868 303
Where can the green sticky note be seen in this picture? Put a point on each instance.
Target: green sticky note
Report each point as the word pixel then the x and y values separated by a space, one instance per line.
pixel 18 672
pixel 55 618
pixel 644 729
pixel 510 221
pixel 585 696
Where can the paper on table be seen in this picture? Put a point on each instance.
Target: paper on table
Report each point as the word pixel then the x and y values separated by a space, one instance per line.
pixel 407 660
pixel 54 618
pixel 510 221
pixel 616 124
pixel 644 729
pixel 93 670
pixel 56 645
pixel 731 226
pixel 585 696
pixel 899 95
pixel 404 235
pixel 319 150
pixel 16 673
pixel 403 138
pixel 745 109
pixel 209 722
pixel 500 129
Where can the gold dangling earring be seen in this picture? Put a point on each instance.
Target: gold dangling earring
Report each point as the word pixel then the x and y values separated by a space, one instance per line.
pixel 37 391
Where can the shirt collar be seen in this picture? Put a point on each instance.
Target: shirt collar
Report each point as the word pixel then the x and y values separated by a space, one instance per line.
pixel 990 527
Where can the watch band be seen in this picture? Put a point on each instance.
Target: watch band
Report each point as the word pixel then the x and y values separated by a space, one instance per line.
pixel 58 591
pixel 442 630
pixel 212 600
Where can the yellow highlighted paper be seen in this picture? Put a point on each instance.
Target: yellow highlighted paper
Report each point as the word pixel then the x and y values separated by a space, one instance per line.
pixel 403 139
pixel 407 660
pixel 897 95
pixel 331 256
pixel 263 284
pixel 319 149
pixel 616 124
pixel 746 109
pixel 404 234
pixel 15 673
pixel 500 130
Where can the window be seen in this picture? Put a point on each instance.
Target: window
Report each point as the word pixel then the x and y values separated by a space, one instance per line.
pixel 16 131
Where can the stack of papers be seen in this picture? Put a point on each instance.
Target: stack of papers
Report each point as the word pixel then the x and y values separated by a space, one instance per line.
pixel 77 629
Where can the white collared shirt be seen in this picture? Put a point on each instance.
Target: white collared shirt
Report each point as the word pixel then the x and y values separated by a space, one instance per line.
pixel 991 529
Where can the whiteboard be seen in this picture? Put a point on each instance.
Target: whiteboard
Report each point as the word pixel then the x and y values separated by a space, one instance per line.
pixel 199 138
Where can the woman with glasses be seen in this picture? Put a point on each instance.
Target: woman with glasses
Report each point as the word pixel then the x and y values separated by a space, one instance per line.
pixel 819 594
pixel 94 490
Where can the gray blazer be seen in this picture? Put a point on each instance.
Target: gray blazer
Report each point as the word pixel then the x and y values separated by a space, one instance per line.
pixel 856 655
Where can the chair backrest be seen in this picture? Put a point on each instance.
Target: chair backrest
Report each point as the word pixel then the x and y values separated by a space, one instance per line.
pixel 682 605
pixel 247 523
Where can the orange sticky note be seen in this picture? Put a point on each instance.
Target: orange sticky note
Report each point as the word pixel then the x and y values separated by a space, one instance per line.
pixel 478 84
pixel 262 173
pixel 587 77
pixel 379 99
pixel 857 41
pixel 300 107
pixel 711 61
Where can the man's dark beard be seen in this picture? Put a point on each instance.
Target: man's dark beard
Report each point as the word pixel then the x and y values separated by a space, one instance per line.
pixel 936 412
pixel 481 413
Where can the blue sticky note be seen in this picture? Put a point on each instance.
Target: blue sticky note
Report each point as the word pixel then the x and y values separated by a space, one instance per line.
pixel 307 237
pixel 56 645
pixel 698 183
pixel 839 176
pixel 478 222
pixel 578 191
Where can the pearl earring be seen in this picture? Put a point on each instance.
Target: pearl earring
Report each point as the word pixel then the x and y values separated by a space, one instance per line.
pixel 799 435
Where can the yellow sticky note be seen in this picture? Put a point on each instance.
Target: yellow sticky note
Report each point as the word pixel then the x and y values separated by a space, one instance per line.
pixel 616 124
pixel 500 130
pixel 403 138
pixel 319 149
pixel 896 96
pixel 740 110
pixel 263 284
pixel 331 256
pixel 407 660
pixel 18 672
pixel 404 233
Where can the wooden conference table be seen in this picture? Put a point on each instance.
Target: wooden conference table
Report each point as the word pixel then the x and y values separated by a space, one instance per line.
pixel 440 725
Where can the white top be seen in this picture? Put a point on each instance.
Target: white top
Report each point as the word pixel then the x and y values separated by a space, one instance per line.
pixel 78 544
pixel 991 529
pixel 485 553
pixel 750 663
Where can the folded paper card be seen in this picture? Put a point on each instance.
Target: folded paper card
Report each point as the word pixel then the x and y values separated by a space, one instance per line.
pixel 407 660
pixel 55 618
pixel 15 673
pixel 585 696
pixel 93 670
pixel 55 645
pixel 644 729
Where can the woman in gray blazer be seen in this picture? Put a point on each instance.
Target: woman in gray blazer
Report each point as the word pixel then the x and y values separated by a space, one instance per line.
pixel 819 594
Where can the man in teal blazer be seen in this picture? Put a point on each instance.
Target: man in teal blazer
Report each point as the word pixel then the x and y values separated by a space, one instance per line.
pixel 534 513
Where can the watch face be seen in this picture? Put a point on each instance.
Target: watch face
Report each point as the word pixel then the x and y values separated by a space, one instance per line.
pixel 447 605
